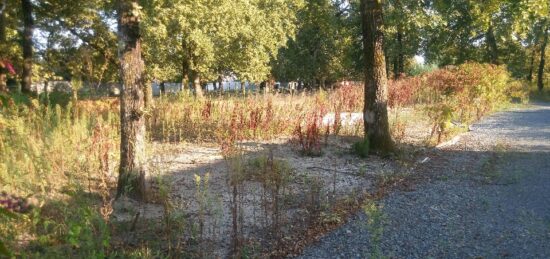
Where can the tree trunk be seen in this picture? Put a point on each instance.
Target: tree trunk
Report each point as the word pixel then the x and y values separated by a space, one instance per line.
pixel 492 46
pixel 184 69
pixel 46 94
pixel 220 84
pixel 148 94
pixel 531 67
pixel 162 88
pixel 540 74
pixel 197 85
pixel 400 55
pixel 375 113
pixel 28 27
pixel 132 180
pixel 395 67
pixel 243 87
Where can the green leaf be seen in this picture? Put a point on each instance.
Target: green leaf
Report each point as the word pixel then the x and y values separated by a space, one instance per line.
pixel 7 213
pixel 4 250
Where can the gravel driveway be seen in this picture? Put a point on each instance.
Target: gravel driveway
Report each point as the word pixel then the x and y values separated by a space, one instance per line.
pixel 489 197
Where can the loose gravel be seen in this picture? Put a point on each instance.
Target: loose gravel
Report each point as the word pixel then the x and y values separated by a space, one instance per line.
pixel 491 199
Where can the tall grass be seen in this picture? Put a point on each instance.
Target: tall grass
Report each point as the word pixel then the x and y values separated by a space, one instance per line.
pixel 61 157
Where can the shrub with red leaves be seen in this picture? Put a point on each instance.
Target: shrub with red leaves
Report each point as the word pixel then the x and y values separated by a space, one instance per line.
pixel 308 133
pixel 403 91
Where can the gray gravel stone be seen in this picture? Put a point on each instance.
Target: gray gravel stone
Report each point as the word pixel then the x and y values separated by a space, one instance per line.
pixel 492 200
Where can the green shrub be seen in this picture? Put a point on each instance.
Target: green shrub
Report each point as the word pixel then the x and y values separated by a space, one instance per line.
pixel 361 148
pixel 15 98
pixel 56 98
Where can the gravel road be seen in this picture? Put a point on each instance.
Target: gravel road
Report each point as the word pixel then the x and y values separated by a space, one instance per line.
pixel 489 197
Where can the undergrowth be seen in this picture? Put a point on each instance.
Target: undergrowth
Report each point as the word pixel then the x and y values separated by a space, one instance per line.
pixel 64 154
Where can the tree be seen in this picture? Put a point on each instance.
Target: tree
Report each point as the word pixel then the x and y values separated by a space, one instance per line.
pixel 214 38
pixel 405 20
pixel 79 40
pixel 540 74
pixel 133 172
pixel 28 28
pixel 375 115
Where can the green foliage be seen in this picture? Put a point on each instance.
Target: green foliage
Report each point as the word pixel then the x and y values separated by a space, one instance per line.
pixel 361 148
pixel 57 98
pixel 419 69
pixel 210 38
pixel 14 99
pixel 319 50
pixel 53 154
pixel 375 226
pixel 7 214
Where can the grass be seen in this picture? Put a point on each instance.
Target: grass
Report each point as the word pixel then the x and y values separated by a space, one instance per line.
pixel 375 226
pixel 540 96
pixel 66 157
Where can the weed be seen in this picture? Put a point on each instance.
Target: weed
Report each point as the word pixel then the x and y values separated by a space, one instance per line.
pixel 361 148
pixel 308 134
pixel 375 226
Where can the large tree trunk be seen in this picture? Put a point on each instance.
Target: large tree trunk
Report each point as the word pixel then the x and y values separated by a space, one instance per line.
pixel 28 27
pixel 540 74
pixel 375 113
pixel 492 46
pixel 132 180
pixel 197 85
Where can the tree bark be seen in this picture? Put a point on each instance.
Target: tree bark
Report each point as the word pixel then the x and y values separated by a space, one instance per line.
pixel 220 84
pixel 148 94
pixel 184 67
pixel 531 67
pixel 132 180
pixel 162 88
pixel 540 74
pixel 27 44
pixel 492 46
pixel 197 85
pixel 400 67
pixel 375 112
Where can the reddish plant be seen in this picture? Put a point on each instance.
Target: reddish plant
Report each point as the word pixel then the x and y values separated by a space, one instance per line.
pixel 207 110
pixel 402 92
pixel 308 133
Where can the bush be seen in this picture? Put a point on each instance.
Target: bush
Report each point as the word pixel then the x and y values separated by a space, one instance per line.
pixel 361 148
pixel 56 98
pixel 402 92
pixel 14 98
pixel 465 93
pixel 308 134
